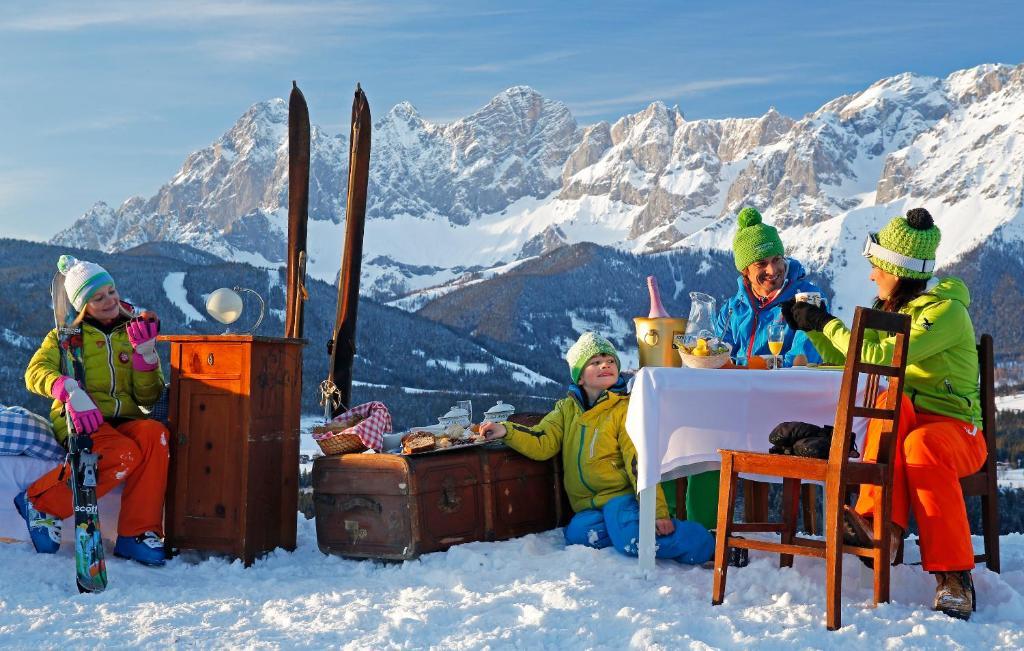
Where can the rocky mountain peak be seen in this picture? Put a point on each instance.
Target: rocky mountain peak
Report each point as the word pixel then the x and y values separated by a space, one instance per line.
pixel 519 176
pixel 403 112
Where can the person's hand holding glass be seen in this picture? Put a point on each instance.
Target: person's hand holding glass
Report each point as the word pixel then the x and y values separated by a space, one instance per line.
pixel 776 339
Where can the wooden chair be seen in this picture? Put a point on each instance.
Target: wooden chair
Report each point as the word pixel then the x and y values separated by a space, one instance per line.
pixel 837 472
pixel 983 482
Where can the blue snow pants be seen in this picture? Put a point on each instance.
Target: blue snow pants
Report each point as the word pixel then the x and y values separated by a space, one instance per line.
pixel 618 525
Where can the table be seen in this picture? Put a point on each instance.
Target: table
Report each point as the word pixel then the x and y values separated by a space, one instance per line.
pixel 679 418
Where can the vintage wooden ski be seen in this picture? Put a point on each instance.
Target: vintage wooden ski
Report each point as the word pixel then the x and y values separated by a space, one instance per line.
pixel 337 388
pixel 298 210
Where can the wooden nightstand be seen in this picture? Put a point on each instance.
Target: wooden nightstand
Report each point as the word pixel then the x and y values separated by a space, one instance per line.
pixel 234 420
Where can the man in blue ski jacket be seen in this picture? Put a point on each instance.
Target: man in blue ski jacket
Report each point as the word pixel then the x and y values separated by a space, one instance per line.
pixel 767 279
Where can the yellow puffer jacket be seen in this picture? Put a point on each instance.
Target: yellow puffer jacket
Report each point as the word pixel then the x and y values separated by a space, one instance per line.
pixel 598 457
pixel 112 383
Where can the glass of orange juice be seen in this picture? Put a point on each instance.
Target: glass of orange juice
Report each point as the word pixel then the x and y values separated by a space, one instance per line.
pixel 776 339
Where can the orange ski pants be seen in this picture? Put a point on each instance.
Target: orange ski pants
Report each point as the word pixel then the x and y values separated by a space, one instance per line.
pixel 932 453
pixel 134 452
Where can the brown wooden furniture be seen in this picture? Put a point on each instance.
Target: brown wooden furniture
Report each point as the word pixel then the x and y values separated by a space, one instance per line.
pixel 838 472
pixel 234 421
pixel 396 507
pixel 983 482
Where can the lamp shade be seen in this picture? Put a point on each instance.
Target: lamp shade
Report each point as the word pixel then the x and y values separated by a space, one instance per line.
pixel 224 305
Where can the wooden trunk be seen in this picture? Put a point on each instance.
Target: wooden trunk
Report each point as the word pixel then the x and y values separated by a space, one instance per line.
pixel 234 420
pixel 397 507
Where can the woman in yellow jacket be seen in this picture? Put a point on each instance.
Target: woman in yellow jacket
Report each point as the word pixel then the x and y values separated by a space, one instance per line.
pixel 599 460
pixel 121 373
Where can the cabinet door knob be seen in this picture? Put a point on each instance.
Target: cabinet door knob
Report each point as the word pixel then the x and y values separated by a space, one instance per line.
pixel 182 438
pixel 209 359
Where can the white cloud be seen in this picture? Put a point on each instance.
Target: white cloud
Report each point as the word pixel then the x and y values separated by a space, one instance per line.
pixel 243 49
pixel 511 64
pixel 65 15
pixel 104 122
pixel 594 107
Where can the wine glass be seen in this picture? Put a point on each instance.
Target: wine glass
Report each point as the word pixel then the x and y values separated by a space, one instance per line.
pixel 776 339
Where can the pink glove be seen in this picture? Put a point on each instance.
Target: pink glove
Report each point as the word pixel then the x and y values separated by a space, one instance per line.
pixel 142 333
pixel 81 409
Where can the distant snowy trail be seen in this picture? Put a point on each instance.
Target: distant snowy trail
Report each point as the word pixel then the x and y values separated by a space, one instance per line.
pixel 174 288
pixel 528 593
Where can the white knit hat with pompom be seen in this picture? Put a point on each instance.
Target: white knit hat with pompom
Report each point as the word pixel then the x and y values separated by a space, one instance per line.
pixel 82 279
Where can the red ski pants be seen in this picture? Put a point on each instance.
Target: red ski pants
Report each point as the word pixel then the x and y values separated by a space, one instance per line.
pixel 932 453
pixel 135 453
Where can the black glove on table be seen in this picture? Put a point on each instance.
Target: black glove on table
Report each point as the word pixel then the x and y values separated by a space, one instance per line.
pixel 788 433
pixel 804 316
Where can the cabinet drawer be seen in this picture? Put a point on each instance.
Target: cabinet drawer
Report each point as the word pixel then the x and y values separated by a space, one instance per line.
pixel 219 360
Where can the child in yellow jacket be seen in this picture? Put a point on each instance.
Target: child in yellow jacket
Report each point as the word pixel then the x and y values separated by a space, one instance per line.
pixel 599 459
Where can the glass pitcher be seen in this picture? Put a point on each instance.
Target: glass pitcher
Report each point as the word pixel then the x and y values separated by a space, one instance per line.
pixel 701 322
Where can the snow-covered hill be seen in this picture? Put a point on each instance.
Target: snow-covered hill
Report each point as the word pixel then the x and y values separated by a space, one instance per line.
pixel 529 593
pixel 519 177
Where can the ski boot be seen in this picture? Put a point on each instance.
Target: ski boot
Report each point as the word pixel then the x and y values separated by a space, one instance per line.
pixel 954 594
pixel 43 528
pixel 146 548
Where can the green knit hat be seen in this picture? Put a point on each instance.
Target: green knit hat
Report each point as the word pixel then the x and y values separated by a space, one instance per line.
pixel 906 246
pixel 754 240
pixel 588 345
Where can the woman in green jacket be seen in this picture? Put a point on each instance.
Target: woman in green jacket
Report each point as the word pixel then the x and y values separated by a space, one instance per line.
pixel 939 439
pixel 121 372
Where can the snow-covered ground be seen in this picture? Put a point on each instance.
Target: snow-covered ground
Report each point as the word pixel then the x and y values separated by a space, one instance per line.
pixel 1011 478
pixel 529 593
pixel 1010 403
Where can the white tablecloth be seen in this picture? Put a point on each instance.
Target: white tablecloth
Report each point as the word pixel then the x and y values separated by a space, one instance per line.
pixel 678 418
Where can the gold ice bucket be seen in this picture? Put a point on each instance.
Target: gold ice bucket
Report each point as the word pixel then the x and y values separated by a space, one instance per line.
pixel 654 340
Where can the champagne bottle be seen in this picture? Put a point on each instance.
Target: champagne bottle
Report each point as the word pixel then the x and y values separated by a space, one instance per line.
pixel 657 309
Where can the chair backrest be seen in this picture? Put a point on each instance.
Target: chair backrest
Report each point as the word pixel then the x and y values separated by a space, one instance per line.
pixel 895 325
pixel 987 373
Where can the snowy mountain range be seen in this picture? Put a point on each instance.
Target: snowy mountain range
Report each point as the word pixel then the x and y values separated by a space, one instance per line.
pixel 520 177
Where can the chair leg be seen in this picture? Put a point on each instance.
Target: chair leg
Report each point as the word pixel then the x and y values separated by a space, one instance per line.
pixel 808 498
pixel 899 552
pixel 755 501
pixel 726 508
pixel 790 506
pixel 990 528
pixel 882 528
pixel 681 485
pixel 833 557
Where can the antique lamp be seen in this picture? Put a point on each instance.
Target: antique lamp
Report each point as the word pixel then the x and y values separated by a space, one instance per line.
pixel 225 305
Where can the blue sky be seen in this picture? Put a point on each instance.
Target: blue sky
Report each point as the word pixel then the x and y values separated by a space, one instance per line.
pixel 103 100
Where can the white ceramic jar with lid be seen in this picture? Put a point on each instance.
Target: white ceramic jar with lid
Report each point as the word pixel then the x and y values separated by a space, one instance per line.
pixel 499 412
pixel 455 415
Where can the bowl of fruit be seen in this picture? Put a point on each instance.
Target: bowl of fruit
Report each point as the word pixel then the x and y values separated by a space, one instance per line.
pixel 703 352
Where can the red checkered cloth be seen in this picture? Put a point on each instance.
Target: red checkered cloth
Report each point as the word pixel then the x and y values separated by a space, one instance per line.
pixel 369 421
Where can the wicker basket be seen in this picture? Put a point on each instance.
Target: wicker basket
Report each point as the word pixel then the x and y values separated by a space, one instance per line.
pixel 332 440
pixel 702 361
pixel 341 444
